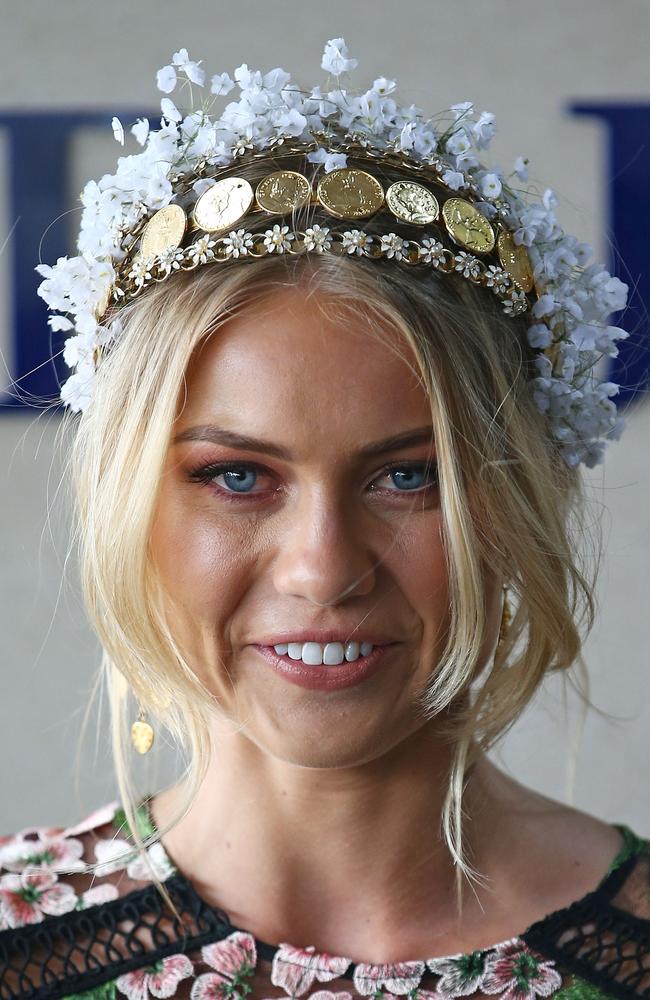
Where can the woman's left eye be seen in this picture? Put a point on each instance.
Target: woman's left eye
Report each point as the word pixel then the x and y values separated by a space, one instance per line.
pixel 411 476
pixel 240 478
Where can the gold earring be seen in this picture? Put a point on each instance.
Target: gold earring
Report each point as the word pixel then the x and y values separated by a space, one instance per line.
pixel 142 734
pixel 506 616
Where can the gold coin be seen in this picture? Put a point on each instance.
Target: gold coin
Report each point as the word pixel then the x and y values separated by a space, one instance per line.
pixel 412 202
pixel 223 205
pixel 282 191
pixel 467 226
pixel 165 229
pixel 515 260
pixel 349 193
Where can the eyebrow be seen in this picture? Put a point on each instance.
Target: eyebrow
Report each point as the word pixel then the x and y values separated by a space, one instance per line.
pixel 219 435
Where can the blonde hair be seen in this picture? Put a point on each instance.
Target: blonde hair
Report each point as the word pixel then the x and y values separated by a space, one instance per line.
pixel 507 498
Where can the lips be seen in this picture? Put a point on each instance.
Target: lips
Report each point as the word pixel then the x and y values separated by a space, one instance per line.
pixel 325 678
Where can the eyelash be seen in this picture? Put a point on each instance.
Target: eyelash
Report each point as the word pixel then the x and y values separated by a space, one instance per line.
pixel 205 474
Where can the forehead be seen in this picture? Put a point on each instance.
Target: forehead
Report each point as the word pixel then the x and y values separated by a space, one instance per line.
pixel 308 366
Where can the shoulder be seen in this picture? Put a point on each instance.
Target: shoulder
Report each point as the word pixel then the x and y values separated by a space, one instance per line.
pixel 48 871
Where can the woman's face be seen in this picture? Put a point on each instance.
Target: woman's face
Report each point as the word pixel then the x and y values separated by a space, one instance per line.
pixel 318 527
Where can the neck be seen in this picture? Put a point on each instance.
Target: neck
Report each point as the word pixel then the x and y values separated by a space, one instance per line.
pixel 266 840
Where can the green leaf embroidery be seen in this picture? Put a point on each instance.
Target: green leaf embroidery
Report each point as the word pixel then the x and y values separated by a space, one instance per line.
pixel 104 992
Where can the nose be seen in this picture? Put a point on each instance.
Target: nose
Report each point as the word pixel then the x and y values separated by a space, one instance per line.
pixel 322 553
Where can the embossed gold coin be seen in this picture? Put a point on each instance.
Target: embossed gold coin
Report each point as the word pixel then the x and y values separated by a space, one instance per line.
pixel 165 229
pixel 223 204
pixel 515 260
pixel 467 226
pixel 412 202
pixel 349 193
pixel 282 191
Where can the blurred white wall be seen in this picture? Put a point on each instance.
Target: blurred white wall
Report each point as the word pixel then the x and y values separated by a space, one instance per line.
pixel 524 61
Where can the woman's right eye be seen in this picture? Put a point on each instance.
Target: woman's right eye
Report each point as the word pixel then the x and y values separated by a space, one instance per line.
pixel 238 478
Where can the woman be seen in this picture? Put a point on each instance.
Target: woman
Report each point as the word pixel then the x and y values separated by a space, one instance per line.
pixel 306 476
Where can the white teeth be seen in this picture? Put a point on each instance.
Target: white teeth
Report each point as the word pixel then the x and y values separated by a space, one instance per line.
pixel 331 653
pixel 351 651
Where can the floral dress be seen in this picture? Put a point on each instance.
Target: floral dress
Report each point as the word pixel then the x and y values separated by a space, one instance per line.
pixel 66 933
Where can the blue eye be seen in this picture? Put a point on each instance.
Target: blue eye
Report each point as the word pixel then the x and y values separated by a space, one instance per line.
pixel 411 476
pixel 241 478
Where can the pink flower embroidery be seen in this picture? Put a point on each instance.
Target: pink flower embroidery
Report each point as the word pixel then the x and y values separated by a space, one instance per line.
pixel 295 969
pixel 52 852
pixel 399 977
pixel 234 960
pixel 26 898
pixel 460 975
pixel 96 818
pixel 328 995
pixel 104 893
pixel 159 979
pixel 519 973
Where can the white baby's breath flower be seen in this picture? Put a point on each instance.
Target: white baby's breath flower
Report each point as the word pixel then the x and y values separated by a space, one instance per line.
pixel 78 390
pixel 166 79
pixel 237 243
pixel 491 186
pixel 140 129
pixel 335 57
pixel 118 130
pixel 169 110
pixel 279 239
pixel 330 161
pixel 221 83
pixel 191 69
pixel 454 179
pixel 317 238
pixel 521 168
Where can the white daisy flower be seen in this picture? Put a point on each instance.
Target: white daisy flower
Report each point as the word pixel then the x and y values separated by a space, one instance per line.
pixel 237 243
pixel 467 264
pixel 497 278
pixel 141 270
pixel 515 304
pixel 431 251
pixel 200 252
pixel 394 246
pixel 317 238
pixel 354 241
pixel 171 259
pixel 279 238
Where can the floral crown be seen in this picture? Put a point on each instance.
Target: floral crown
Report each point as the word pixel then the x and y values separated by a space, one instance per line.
pixel 180 204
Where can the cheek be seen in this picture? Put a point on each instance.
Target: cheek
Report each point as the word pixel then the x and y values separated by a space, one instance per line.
pixel 201 567
pixel 419 567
